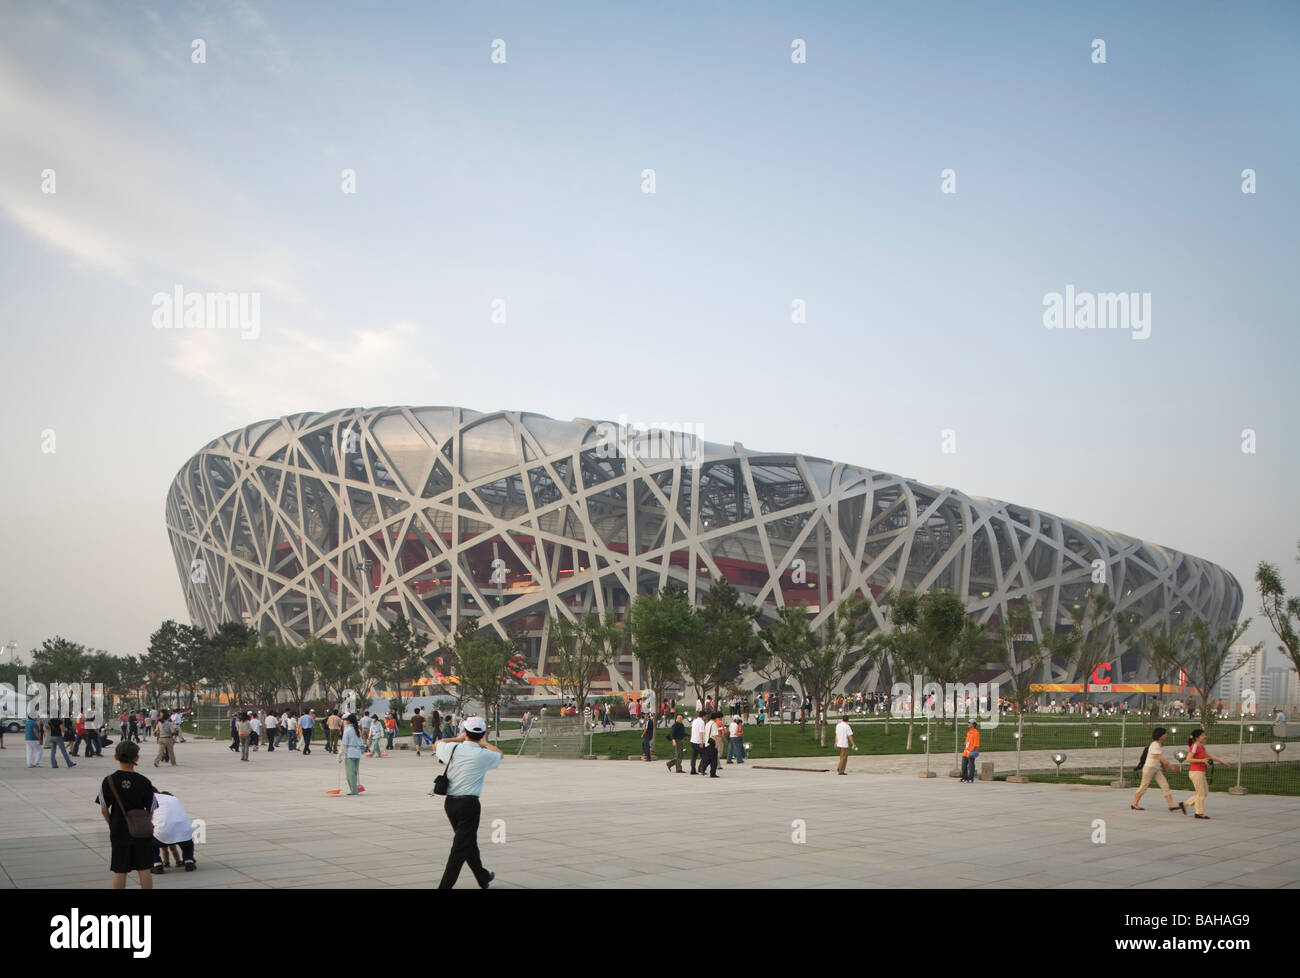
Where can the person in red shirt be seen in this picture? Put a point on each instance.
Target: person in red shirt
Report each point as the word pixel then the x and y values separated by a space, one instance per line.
pixel 1198 754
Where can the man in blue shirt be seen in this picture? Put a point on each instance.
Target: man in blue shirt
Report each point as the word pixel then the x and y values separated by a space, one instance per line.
pixel 33 741
pixel 468 758
pixel 305 723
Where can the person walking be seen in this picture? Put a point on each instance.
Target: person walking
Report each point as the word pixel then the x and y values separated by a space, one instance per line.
pixel 33 732
pixel 468 757
pixel 376 737
pixel 417 730
pixel 353 747
pixel 697 743
pixel 334 723
pixel 78 732
pixel 1198 754
pixel 122 791
pixel 272 726
pixel 1153 765
pixel 843 741
pixel 712 734
pixel 647 734
pixel 736 739
pixel 970 751
pixel 245 729
pixel 390 728
pixel 234 732
pixel 54 727
pixel 255 729
pixel 305 723
pixel 132 726
pixel 677 735
pixel 291 725
pixel 166 742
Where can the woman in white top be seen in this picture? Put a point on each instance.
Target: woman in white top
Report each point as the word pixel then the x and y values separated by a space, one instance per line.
pixel 1155 766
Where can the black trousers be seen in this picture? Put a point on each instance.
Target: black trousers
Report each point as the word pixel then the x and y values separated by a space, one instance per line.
pixel 306 739
pixel 697 751
pixel 710 758
pixel 463 812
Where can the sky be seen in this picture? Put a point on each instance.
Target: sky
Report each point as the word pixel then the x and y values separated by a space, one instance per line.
pixel 498 154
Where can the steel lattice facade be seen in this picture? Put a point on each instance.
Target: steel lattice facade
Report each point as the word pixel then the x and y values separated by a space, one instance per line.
pixel 330 524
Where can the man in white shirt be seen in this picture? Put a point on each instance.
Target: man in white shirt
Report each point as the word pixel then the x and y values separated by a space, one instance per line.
pixel 843 740
pixel 272 730
pixel 697 743
pixel 468 757
pixel 712 731
pixel 255 723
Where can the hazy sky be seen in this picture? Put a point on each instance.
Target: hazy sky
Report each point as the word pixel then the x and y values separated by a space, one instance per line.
pixel 775 181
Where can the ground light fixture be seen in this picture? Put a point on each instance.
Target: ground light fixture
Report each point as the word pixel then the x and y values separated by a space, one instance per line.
pixel 1251 728
pixel 1096 735
pixel 1181 755
pixel 1278 748
pixel 1060 759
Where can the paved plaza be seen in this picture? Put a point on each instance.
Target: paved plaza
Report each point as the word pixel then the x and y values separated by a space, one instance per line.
pixel 269 823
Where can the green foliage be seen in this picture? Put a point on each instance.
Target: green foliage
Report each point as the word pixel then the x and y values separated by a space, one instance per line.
pixel 1281 611
pixel 580 650
pixel 1211 646
pixel 661 627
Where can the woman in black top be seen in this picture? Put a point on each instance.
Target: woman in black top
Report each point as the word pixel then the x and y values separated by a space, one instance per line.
pixel 135 791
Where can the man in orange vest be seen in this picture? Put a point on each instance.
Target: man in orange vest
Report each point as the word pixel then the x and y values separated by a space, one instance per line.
pixel 970 752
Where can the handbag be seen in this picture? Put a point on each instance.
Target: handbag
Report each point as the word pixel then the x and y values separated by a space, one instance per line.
pixel 440 783
pixel 139 823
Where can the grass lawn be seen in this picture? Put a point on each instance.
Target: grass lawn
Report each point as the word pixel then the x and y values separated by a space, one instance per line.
pixel 1269 778
pixel 1040 733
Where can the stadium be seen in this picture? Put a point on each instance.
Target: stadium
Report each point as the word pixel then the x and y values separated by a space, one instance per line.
pixel 332 524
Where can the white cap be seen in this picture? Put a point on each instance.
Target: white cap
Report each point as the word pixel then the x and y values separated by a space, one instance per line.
pixel 475 725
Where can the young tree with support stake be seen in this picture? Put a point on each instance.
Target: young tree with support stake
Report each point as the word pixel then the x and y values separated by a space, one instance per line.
pixel 580 650
pixel 1092 624
pixel 1210 649
pixel 1164 648
pixel 659 627
pixel 833 655
pixel 1282 612
pixel 1020 653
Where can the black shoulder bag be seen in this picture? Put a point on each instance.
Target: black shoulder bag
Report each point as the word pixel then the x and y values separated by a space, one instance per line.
pixel 139 823
pixel 440 783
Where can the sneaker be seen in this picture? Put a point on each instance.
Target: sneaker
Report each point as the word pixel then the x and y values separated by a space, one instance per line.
pixel 189 866
pixel 491 877
pixel 158 869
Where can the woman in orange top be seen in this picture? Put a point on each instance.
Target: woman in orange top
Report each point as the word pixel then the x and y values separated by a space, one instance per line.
pixel 970 752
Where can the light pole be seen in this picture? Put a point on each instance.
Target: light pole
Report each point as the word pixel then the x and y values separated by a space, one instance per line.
pixel 1237 789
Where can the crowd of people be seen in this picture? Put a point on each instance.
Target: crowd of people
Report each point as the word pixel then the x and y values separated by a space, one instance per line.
pixel 54 733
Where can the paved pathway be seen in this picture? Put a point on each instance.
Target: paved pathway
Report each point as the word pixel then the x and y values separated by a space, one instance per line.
pixel 631 824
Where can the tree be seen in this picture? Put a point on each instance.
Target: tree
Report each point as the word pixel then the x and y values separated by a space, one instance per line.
pixel 338 669
pixel 832 655
pixel 58 661
pixel 1093 625
pixel 1164 649
pixel 580 650
pixel 396 656
pixel 1210 649
pixel 485 669
pixel 447 662
pixel 788 642
pixel 1281 610
pixel 220 654
pixel 661 626
pixel 297 668
pixel 901 645
pixel 725 637
pixel 1019 652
